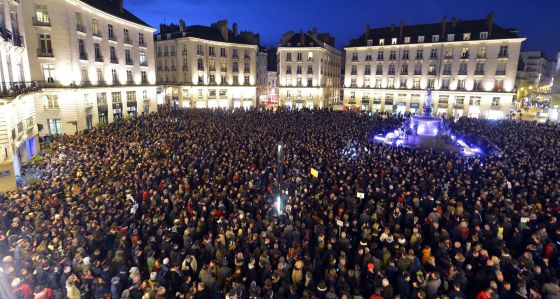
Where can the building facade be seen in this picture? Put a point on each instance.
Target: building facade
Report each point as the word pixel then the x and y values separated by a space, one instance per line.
pixel 262 68
pixel 94 61
pixel 535 73
pixel 470 66
pixel 207 66
pixel 308 70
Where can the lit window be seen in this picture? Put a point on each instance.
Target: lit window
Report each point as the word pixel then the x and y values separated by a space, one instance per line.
pixel 394 41
pixel 435 38
pixel 421 39
pixel 484 35
pixel 450 37
pixel 407 40
pixel 381 41
pixel 466 36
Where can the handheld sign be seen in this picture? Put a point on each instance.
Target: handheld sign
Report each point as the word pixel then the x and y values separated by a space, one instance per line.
pixel 339 223
pixel 360 195
pixel 314 172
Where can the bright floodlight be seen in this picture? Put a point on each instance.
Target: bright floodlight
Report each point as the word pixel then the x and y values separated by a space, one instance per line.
pixel 278 205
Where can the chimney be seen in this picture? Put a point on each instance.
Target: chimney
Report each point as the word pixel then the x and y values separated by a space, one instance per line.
pixel 301 37
pixel 443 24
pixel 314 32
pixel 490 22
pixel 235 29
pixel 453 22
pixel 120 5
pixel 366 35
pixel 222 26
pixel 392 27
pixel 181 25
pixel 401 31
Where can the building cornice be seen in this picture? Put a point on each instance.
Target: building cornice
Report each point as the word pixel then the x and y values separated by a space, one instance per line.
pixel 197 39
pixel 108 15
pixel 430 44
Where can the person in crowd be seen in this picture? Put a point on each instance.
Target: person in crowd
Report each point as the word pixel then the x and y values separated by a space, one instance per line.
pixel 184 204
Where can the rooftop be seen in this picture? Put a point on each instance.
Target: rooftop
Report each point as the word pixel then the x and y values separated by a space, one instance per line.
pixel 441 29
pixel 216 32
pixel 115 8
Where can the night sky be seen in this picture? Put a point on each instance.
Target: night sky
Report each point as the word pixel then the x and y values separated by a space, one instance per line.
pixel 537 20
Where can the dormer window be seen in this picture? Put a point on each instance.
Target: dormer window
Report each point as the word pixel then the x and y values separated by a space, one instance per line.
pixel 466 36
pixel 484 35
pixel 381 41
pixel 450 37
pixel 407 40
pixel 435 38
pixel 421 39
pixel 370 42
pixel 394 41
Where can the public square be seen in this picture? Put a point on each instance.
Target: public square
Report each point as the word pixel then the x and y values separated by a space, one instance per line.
pixel 182 203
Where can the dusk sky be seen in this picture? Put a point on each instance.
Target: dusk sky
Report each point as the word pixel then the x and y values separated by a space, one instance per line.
pixel 536 20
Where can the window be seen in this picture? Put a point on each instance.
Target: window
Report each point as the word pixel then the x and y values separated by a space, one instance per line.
pixel 392 55
pixel 45 45
pixel 501 69
pixel 381 41
pixel 460 100
pixel 404 69
pixel 309 69
pixel 247 55
pixel 421 39
pixel 116 96
pixel 461 84
pixel 463 68
pixel 110 32
pixel 129 76
pixel 89 122
pixel 212 79
pixel 298 82
pixel 354 70
pixel 99 75
pixel 85 77
pixel 298 69
pixel 127 56
pixel 435 38
pixel 407 40
pixel 503 52
pixel 496 102
pixel 309 56
pixel 95 27
pixel 42 14
pixel 48 72
pixel 200 50
pixel 479 68
pixel 448 53
pixel 55 126
pixel 200 80
pixel 352 95
pixel 378 83
pixel 419 54
pixel 431 83
pixel 288 69
pixel 200 65
pixel 97 50
pixel 367 70
pixel 309 82
pixel 354 56
pixel 131 96
pixel 391 69
pixel 114 76
pixel 416 84
pixel 403 82
pixel 390 82
pixel 418 69
pixel 79 22
pixel 379 69
pixel 143 60
pixel 369 42
pixel 211 51
pixel 465 53
pixel 366 82
pixel 101 99
pixel 474 101
pixel 466 36
pixel 246 68
pixel 52 101
pixel 144 76
pixel 445 84
pixel 433 53
pixel 447 69
pixel 477 85
pixel 432 69
pixel 82 48
pixel 394 41
pixel 443 100
pixel 380 55
pixel 368 56
pixel 113 54
pixel 484 35
pixel 235 66
pixel 126 35
pixel 499 85
pixel 481 52
pixel 141 41
pixel 405 54
pixel 450 37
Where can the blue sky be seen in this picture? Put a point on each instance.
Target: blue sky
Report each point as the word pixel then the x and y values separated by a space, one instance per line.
pixel 536 20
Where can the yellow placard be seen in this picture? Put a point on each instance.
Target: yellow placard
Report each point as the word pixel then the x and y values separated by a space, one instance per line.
pixel 314 172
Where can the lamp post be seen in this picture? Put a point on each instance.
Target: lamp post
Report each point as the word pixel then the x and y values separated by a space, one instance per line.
pixel 279 170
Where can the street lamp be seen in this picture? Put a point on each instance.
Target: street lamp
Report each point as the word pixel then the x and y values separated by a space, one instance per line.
pixel 279 168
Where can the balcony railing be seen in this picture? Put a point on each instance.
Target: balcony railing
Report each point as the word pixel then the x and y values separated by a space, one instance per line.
pixel 44 53
pixel 433 57
pixel 500 73
pixel 465 56
pixel 114 60
pixel 392 58
pixel 81 28
pixel 446 72
pixel 112 38
pixel 128 41
pixel 142 44
pixel 503 55
pixel 417 72
pixel 41 22
pixel 479 73
pixel 83 56
pixel 462 72
pixel 404 72
pixel 144 63
pixel 481 56
pixel 405 57
pixel 432 73
pixel 97 34
pixel 129 62
pixel 18 41
pixel 13 89
pixel 99 58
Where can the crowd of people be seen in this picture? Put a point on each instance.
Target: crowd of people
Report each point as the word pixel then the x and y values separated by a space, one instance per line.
pixel 183 204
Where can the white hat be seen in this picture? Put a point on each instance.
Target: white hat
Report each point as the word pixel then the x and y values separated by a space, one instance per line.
pixel 16 282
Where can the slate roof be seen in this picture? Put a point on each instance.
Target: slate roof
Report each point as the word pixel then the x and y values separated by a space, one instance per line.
pixel 207 33
pixel 474 27
pixel 111 7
